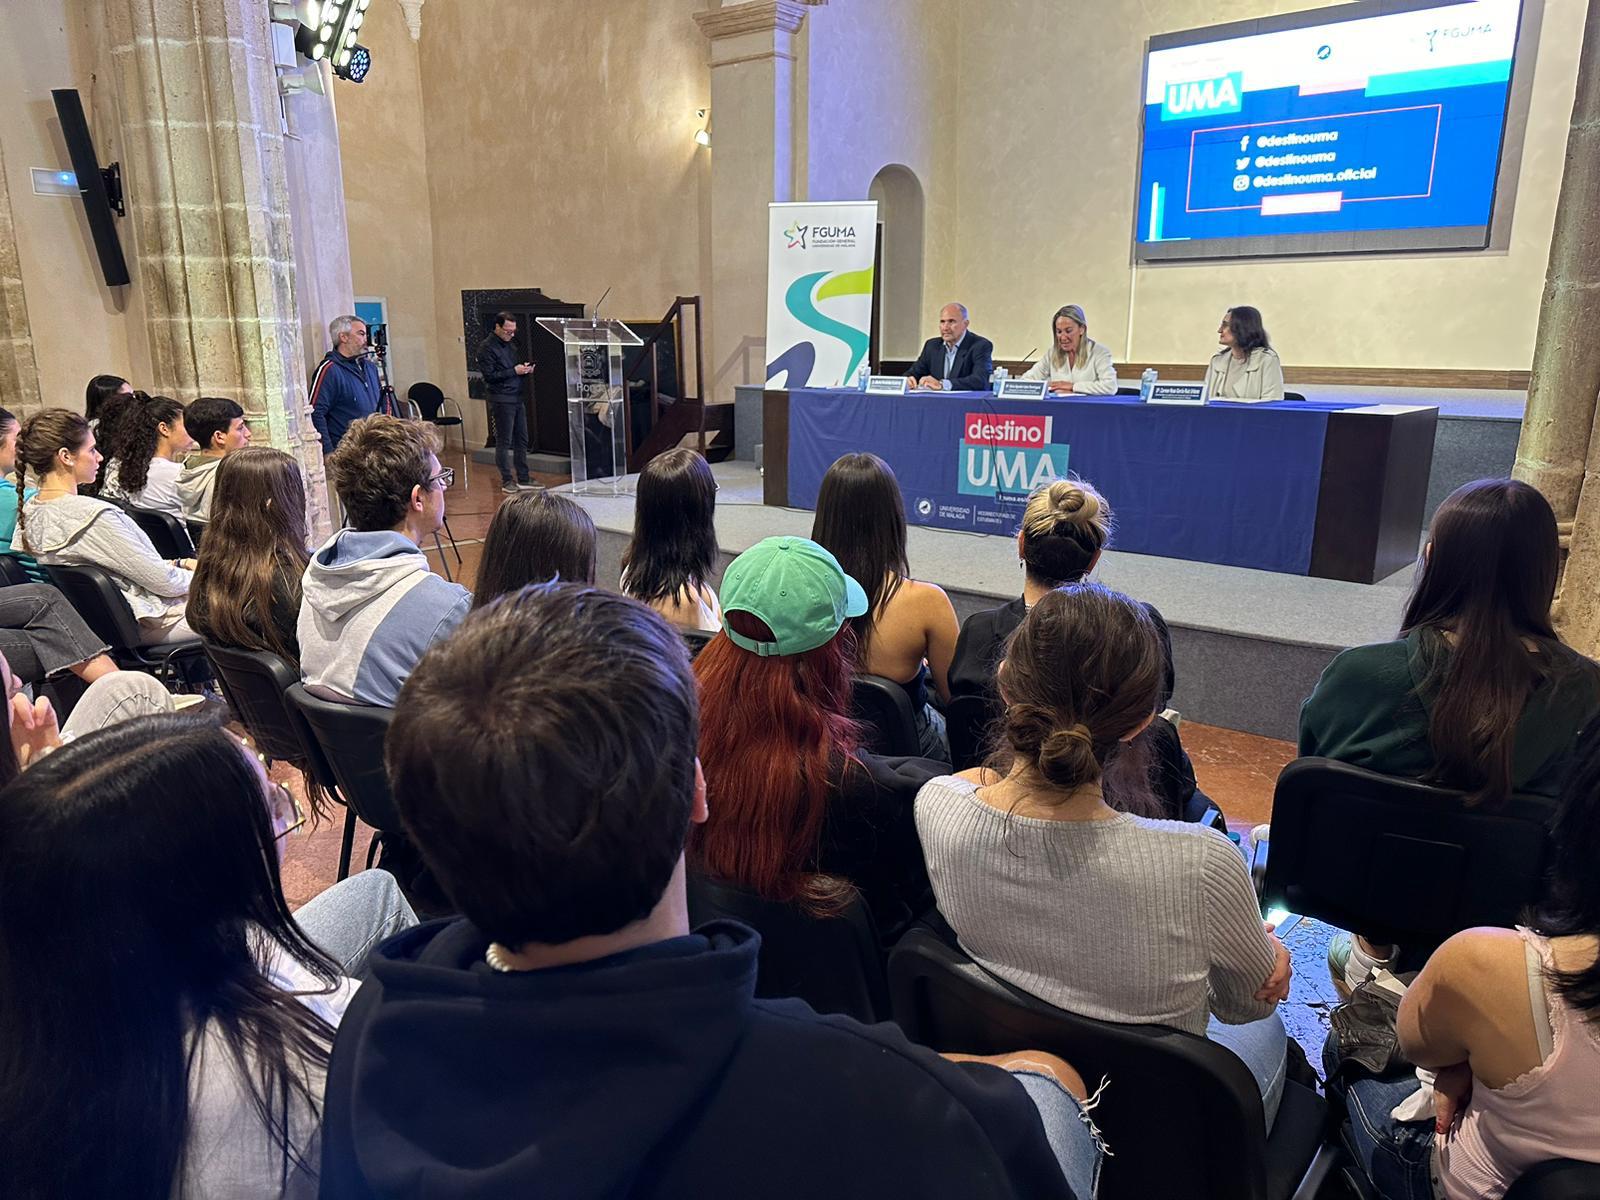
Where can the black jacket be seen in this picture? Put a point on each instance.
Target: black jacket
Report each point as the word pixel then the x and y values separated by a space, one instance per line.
pixel 971 370
pixel 650 1074
pixel 497 363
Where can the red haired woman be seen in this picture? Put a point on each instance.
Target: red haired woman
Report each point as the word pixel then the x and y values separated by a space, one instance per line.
pixel 798 812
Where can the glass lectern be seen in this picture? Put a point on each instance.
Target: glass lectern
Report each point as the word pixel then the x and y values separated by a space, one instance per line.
pixel 597 401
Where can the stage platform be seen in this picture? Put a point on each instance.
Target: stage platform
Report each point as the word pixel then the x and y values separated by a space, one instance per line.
pixel 1248 645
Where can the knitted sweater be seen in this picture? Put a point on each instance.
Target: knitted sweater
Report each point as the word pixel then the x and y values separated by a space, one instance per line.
pixel 1132 920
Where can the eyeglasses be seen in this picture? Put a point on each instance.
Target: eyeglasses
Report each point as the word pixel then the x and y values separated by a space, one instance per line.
pixel 285 799
pixel 447 477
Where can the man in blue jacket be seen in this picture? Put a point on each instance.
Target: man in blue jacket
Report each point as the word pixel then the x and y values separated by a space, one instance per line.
pixel 345 387
pixel 569 1035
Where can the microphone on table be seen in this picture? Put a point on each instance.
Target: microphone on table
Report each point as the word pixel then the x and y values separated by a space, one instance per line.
pixel 1030 355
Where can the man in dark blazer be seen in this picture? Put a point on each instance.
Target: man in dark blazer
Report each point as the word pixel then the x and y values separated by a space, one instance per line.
pixel 957 360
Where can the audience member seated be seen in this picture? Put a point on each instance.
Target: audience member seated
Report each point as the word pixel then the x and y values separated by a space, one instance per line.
pixel 371 603
pixel 1065 527
pixel 61 528
pixel 798 813
pixel 535 537
pixel 1247 367
pixel 35 730
pixel 144 470
pixel 569 1036
pixel 11 499
pixel 1509 1020
pixel 1102 913
pixel 218 427
pixel 100 389
pixel 672 557
pixel 1075 362
pixel 1478 693
pixel 115 411
pixel 41 634
pixel 909 631
pixel 246 591
pixel 167 1027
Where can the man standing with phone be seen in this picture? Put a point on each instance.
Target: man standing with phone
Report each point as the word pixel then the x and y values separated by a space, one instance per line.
pixel 502 384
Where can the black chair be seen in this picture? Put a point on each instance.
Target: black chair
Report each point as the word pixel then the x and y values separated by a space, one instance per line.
pixel 696 639
pixel 197 530
pixel 434 407
pixel 884 710
pixel 1397 860
pixel 351 736
pixel 12 571
pixel 166 533
pixel 1294 395
pixel 834 964
pixel 256 684
pixel 1558 1179
pixel 1182 1115
pixel 90 591
pixel 967 722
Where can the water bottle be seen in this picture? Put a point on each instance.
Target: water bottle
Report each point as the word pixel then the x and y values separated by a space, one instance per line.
pixel 997 378
pixel 1147 383
pixel 863 373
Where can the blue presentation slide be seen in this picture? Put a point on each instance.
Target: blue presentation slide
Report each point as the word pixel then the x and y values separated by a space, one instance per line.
pixel 1374 133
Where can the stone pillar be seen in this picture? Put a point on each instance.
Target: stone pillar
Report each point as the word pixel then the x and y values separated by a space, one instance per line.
pixel 19 370
pixel 752 164
pixel 1559 451
pixel 209 201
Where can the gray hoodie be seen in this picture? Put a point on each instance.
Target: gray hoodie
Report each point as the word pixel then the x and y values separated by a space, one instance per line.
pixel 370 608
pixel 196 482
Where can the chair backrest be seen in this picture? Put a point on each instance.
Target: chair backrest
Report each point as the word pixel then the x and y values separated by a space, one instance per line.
pixel 884 710
pixel 197 530
pixel 351 735
pixel 428 398
pixel 166 533
pixel 1193 1097
pixel 834 964
pixel 968 720
pixel 1397 860
pixel 1558 1179
pixel 1294 395
pixel 12 571
pixel 102 607
pixel 696 639
pixel 257 683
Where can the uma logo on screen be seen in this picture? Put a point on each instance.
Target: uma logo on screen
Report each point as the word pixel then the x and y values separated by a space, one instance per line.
pixel 1203 97
pixel 1005 453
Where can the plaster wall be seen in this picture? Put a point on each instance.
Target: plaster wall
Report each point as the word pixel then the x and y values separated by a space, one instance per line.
pixel 80 327
pixel 383 148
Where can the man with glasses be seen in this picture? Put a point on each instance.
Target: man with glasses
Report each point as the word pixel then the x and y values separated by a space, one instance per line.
pixel 371 603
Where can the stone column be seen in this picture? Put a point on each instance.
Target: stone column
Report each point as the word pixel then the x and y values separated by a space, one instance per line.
pixel 209 200
pixel 1559 451
pixel 752 164
pixel 19 370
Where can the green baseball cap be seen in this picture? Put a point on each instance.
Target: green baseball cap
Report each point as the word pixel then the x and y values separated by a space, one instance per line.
pixel 796 588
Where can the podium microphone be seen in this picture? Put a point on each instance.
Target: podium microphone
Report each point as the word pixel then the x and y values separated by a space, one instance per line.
pixel 598 303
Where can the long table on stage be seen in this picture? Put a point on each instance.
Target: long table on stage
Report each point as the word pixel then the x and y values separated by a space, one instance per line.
pixel 1335 491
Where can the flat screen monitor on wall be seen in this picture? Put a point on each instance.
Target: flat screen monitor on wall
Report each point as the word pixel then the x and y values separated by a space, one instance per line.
pixel 1365 127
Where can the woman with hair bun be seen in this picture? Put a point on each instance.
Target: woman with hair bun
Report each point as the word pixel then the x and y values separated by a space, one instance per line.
pixel 1065 527
pixel 1103 913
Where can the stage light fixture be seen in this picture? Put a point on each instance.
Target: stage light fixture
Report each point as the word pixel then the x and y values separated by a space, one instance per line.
pixel 328 31
pixel 360 64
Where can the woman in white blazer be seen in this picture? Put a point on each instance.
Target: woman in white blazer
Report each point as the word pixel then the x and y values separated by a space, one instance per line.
pixel 1247 367
pixel 1075 362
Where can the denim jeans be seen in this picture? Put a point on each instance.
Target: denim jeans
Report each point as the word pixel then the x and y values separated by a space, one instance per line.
pixel 1397 1156
pixel 1263 1046
pixel 933 741
pixel 1067 1127
pixel 510 438
pixel 353 916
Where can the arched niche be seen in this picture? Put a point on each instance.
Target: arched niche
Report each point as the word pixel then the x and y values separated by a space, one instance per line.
pixel 900 213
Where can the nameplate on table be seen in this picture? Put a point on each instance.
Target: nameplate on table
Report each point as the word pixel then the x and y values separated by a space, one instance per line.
pixel 888 385
pixel 1023 389
pixel 1177 393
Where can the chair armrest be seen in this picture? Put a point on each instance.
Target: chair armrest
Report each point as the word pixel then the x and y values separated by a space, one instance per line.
pixel 1212 819
pixel 449 403
pixel 1258 867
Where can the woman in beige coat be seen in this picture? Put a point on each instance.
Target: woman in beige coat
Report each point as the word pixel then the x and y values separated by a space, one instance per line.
pixel 1247 367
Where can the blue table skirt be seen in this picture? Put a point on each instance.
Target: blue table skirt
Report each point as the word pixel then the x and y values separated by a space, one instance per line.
pixel 1235 484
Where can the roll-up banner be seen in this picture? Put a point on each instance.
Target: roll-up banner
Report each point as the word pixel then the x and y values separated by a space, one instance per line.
pixel 819 292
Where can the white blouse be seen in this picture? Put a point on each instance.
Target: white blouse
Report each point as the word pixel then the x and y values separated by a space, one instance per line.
pixel 1092 375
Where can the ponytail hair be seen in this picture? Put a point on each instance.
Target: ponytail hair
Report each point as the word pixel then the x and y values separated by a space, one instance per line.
pixel 1081 674
pixel 137 436
pixel 43 436
pixel 1065 524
